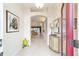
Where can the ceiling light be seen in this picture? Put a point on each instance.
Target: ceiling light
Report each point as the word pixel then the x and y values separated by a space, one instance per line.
pixel 39 5
pixel 42 19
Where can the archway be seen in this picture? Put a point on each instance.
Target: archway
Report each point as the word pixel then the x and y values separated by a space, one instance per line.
pixel 39 26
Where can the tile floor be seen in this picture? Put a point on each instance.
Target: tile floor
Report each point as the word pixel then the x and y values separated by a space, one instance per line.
pixel 38 48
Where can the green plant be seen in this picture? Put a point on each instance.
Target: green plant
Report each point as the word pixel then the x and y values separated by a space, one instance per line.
pixel 25 43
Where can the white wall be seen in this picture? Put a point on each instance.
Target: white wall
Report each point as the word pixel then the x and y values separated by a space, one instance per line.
pixel 78 25
pixel 45 29
pixel 1 13
pixel 27 27
pixel 51 14
pixel 75 31
pixel 1 26
pixel 12 42
pixel 0 22
pixel 33 23
pixel 31 14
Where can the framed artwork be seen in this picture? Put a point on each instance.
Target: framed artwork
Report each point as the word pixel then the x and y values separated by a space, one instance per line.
pixel 12 22
pixel 75 23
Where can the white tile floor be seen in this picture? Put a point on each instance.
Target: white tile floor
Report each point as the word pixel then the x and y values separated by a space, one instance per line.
pixel 38 48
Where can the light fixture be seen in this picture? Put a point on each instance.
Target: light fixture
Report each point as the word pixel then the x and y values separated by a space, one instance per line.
pixel 39 5
pixel 42 19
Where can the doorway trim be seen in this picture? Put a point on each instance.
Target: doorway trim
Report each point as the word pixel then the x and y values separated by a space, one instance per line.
pixel 62 29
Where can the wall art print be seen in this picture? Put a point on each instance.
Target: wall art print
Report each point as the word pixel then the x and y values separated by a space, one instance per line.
pixel 75 23
pixel 12 22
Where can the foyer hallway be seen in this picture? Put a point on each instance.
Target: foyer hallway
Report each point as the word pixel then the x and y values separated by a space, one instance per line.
pixel 38 48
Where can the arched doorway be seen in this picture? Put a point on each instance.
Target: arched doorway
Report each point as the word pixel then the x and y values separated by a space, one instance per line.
pixel 39 27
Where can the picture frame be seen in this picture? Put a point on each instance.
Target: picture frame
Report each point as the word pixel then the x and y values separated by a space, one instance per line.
pixel 12 22
pixel 75 23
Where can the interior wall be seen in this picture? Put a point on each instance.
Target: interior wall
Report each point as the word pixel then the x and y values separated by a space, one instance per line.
pixel 31 14
pixel 75 10
pixel 51 14
pixel 27 27
pixel 33 23
pixel 0 21
pixel 45 29
pixel 39 22
pixel 12 42
pixel 78 25
pixel 75 31
pixel 1 26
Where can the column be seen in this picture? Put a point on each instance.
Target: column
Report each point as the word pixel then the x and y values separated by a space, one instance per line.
pixel 69 29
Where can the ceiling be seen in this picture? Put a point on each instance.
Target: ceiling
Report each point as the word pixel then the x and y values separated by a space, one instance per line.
pixel 33 8
pixel 37 20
